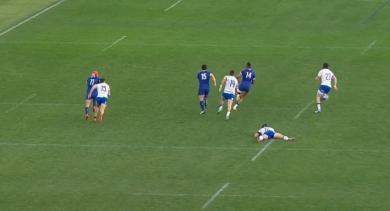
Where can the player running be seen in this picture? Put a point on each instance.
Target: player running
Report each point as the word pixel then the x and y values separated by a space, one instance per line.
pixel 327 78
pixel 204 86
pixel 91 81
pixel 247 77
pixel 103 93
pixel 230 83
pixel 266 133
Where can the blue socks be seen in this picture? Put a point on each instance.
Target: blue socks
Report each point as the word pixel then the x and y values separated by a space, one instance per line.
pixel 202 107
pixel 86 110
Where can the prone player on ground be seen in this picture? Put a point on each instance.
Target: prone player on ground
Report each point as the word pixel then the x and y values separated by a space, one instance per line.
pixel 229 83
pixel 266 133
pixel 327 78
pixel 204 86
pixel 91 81
pixel 103 93
pixel 247 77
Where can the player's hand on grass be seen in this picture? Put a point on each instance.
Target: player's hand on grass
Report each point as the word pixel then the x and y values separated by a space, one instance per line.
pixel 335 88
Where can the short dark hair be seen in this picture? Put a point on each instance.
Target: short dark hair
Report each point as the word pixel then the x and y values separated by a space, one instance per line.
pixel 102 80
pixel 248 64
pixel 204 67
pixel 231 72
pixel 264 125
pixel 325 65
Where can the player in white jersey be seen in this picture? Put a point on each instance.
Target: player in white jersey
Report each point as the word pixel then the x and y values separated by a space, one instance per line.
pixel 230 84
pixel 103 93
pixel 327 78
pixel 265 133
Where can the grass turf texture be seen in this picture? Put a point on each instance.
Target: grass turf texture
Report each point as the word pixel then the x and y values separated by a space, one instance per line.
pixel 154 151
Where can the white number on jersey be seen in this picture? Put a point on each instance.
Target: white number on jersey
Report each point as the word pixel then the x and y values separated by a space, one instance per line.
pixel 203 76
pixel 248 75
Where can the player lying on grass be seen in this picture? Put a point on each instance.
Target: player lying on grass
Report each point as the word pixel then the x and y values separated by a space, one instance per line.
pixel 247 77
pixel 266 133
pixel 327 78
pixel 103 93
pixel 91 81
pixel 204 87
pixel 230 83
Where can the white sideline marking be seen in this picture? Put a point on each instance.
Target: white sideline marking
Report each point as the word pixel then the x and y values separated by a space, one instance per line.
pixel 262 150
pixel 369 47
pixel 114 43
pixel 303 109
pixel 172 6
pixel 213 197
pixel 205 195
pixel 21 102
pixel 31 17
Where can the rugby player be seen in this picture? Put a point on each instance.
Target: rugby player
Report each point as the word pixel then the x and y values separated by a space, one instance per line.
pixel 103 93
pixel 327 78
pixel 230 83
pixel 266 133
pixel 204 87
pixel 247 77
pixel 91 81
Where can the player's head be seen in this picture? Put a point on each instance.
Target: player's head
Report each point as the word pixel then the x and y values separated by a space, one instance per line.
pixel 102 80
pixel 264 125
pixel 248 65
pixel 95 73
pixel 231 72
pixel 325 65
pixel 204 67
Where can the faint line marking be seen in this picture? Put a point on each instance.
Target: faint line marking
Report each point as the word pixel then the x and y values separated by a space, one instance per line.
pixel 172 6
pixel 213 197
pixel 114 43
pixel 262 150
pixel 369 47
pixel 303 109
pixel 376 11
pixel 21 102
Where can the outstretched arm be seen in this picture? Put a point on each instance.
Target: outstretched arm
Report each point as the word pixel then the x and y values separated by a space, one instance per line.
pixel 334 79
pixel 222 84
pixel 213 79
pixel 91 91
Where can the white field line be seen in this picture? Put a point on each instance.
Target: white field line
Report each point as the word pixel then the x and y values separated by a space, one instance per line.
pixel 262 150
pixel 180 148
pixel 21 102
pixel 303 109
pixel 43 104
pixel 205 195
pixel 114 43
pixel 172 6
pixel 30 18
pixel 213 197
pixel 369 47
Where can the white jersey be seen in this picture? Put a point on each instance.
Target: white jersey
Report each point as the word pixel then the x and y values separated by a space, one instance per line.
pixel 326 77
pixel 103 89
pixel 265 129
pixel 230 85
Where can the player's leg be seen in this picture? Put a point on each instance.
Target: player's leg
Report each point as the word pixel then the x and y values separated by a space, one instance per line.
pixel 86 109
pixel 201 96
pixel 282 137
pixel 318 101
pixel 102 108
pixel 240 98
pixel 96 112
pixel 261 138
pixel 230 105
pixel 220 108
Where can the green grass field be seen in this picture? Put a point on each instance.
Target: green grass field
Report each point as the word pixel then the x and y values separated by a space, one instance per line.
pixel 154 151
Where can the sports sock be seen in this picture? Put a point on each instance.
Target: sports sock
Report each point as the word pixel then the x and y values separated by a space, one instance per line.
pixel 201 103
pixel 318 106
pixel 228 113
pixel 285 138
pixel 86 110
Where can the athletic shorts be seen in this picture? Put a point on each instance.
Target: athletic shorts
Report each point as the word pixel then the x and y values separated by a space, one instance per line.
pixel 94 95
pixel 324 89
pixel 228 96
pixel 101 100
pixel 270 134
pixel 203 91
pixel 244 87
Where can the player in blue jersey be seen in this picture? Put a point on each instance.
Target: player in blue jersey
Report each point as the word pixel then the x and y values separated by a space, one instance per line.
pixel 265 133
pixel 204 87
pixel 247 77
pixel 91 81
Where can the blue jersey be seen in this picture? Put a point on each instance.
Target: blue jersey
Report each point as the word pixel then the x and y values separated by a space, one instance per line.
pixel 204 79
pixel 248 76
pixel 91 81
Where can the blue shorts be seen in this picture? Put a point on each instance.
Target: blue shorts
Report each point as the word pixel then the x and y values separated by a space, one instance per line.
pixel 93 98
pixel 203 91
pixel 270 134
pixel 324 89
pixel 228 96
pixel 244 87
pixel 101 100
